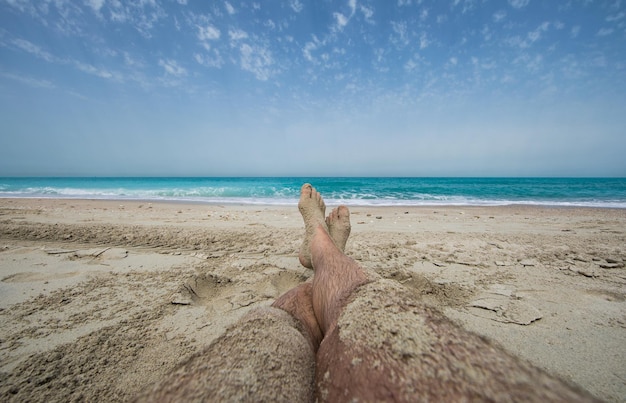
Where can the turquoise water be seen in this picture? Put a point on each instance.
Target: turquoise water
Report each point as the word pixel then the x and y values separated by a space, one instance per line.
pixel 591 192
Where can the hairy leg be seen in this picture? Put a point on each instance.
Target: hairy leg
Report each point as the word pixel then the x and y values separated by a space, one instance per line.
pixel 381 343
pixel 388 346
pixel 336 275
pixel 263 357
pixel 298 303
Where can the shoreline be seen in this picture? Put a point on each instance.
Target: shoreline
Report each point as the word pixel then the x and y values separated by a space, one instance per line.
pixel 348 202
pixel 95 290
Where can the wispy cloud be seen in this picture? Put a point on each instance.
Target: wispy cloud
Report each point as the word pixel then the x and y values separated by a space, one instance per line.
pixel 30 81
pixel 208 33
pixel 96 5
pixel 237 34
pixel 519 3
pixel 97 71
pixel 84 67
pixel 229 8
pixel 142 15
pixel 368 13
pixel 605 31
pixel 401 33
pixel 257 60
pixel 424 41
pixel 172 67
pixel 212 58
pixel 535 35
pixel 312 46
pixel 499 16
pixel 530 38
pixel 296 5
pixel 35 50
pixel 341 20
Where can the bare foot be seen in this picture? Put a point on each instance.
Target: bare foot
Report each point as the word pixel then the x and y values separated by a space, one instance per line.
pixel 338 222
pixel 312 208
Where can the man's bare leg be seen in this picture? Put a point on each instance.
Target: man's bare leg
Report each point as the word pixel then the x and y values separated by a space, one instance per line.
pixel 298 303
pixel 298 300
pixel 264 357
pixel 381 343
pixel 336 275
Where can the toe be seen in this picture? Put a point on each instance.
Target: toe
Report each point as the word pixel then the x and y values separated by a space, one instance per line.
pixel 343 211
pixel 306 190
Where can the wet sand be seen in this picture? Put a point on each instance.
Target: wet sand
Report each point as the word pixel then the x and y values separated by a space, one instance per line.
pixel 102 298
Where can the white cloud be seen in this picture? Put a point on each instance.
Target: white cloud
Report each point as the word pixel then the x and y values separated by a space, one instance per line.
pixel 33 49
pixel 519 3
pixel 23 6
pixel 424 14
pixel 309 47
pixel 352 5
pixel 401 31
pixel 531 37
pixel 296 5
pixel 499 16
pixel 229 8
pixel 211 59
pixel 424 42
pixel 172 67
pixel 270 24
pixel 143 15
pixel 575 31
pixel 131 61
pixel 257 60
pixel 96 71
pixel 468 5
pixel 208 32
pixel 182 2
pixel 535 35
pixel 402 3
pixel 32 82
pixel 341 20
pixel 368 12
pixel 96 5
pixel 412 64
pixel 237 34
pixel 616 17
pixel 605 31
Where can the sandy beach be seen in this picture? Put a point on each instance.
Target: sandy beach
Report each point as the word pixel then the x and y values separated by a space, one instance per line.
pixel 100 299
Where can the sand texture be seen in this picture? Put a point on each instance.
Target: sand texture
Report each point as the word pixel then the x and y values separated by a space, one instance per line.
pixel 102 299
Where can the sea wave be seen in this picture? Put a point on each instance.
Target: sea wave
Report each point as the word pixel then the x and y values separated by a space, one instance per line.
pixel 290 199
pixel 567 192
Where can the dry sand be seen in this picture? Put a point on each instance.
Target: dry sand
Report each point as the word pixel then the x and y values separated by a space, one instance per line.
pixel 102 298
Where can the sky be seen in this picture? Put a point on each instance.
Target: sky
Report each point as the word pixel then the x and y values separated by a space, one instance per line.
pixel 312 88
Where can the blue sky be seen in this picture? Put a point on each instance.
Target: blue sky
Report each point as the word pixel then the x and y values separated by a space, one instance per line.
pixel 299 88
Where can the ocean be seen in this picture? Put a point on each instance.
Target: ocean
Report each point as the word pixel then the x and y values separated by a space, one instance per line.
pixel 587 192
